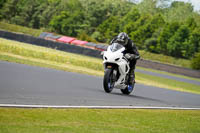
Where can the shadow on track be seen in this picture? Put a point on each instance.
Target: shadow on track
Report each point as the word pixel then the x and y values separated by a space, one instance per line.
pixel 139 97
pixel 135 97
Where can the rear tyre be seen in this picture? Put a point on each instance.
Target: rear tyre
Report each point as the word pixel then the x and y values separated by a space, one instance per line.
pixel 108 82
pixel 128 89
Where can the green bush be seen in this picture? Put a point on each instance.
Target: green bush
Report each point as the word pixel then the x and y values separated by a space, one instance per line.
pixel 86 37
pixel 151 45
pixel 196 62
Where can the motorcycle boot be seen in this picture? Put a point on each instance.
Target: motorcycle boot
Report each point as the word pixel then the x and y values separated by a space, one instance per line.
pixel 131 79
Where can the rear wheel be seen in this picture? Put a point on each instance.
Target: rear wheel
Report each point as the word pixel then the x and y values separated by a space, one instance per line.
pixel 108 81
pixel 128 89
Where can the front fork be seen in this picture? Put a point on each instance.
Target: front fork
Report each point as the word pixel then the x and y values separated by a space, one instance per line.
pixel 114 71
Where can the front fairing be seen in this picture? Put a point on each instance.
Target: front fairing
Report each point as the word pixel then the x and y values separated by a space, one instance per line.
pixel 112 57
pixel 116 57
pixel 114 53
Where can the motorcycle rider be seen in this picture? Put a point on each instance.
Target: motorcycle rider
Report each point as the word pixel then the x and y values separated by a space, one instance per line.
pixel 131 53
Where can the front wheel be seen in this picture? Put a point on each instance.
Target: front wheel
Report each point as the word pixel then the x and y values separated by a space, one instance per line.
pixel 108 81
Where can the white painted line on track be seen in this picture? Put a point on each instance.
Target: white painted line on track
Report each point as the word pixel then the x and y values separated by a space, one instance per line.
pixel 93 107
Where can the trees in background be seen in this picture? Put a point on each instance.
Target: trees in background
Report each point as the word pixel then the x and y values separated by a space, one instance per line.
pixel 2 2
pixel 153 25
pixel 69 21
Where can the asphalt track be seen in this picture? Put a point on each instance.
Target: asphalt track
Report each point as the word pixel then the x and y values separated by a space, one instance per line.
pixel 28 85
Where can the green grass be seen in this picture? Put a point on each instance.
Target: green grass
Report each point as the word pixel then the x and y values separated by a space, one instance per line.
pixel 32 51
pixel 98 121
pixel 45 57
pixel 20 29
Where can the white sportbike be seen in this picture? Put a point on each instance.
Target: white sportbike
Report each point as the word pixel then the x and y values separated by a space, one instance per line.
pixel 116 68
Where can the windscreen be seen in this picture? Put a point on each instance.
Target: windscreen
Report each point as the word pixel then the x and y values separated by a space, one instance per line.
pixel 115 46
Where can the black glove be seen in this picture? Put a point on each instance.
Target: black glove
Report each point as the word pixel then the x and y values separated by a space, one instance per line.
pixel 132 56
pixel 129 56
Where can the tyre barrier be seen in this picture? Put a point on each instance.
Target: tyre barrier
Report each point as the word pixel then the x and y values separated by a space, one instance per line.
pixel 50 44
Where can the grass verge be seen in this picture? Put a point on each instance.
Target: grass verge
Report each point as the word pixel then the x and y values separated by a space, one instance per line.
pixel 170 74
pixel 20 29
pixel 48 64
pixel 168 83
pixel 165 59
pixel 98 121
pixel 45 57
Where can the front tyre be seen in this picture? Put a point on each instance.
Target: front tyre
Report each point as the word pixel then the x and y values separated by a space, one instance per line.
pixel 108 82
